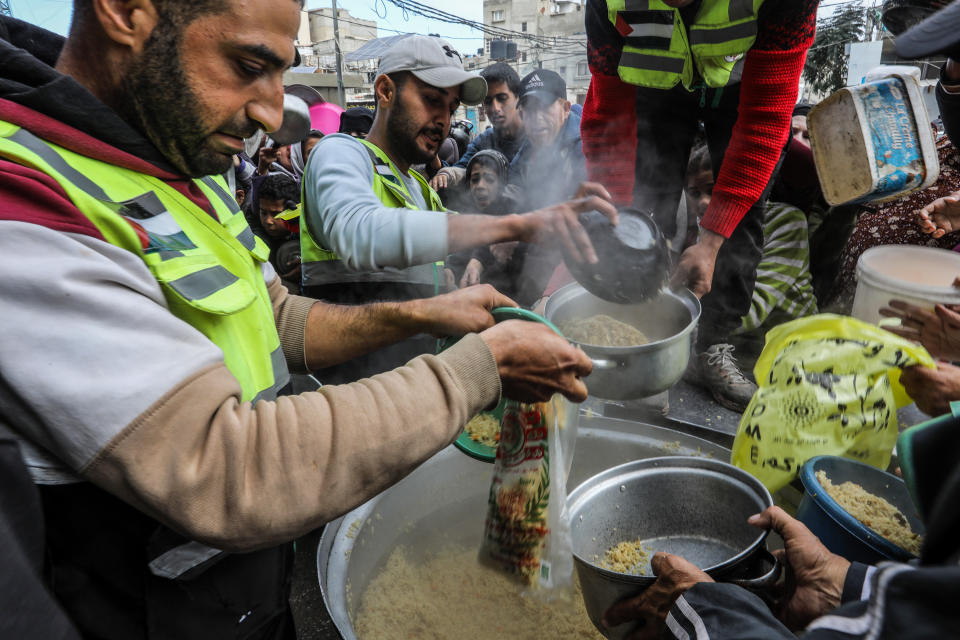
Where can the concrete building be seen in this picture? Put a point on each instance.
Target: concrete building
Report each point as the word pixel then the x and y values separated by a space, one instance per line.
pixel 549 34
pixel 315 43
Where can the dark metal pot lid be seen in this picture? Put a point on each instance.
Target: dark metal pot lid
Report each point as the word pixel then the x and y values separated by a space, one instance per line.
pixel 634 260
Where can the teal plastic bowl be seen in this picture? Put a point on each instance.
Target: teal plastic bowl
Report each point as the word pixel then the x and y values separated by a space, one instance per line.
pixel 464 442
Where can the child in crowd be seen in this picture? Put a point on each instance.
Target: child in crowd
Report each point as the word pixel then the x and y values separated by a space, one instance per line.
pixel 487 192
pixel 783 289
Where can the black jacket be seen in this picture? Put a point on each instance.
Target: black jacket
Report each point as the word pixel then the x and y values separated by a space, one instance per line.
pixel 949 112
pixel 28 609
pixel 890 601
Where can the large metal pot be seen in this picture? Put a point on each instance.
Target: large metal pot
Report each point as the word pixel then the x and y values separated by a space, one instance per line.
pixel 445 501
pixel 627 373
pixel 692 507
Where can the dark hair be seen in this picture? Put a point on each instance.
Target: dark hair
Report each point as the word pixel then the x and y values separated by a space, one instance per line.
pixel 502 72
pixel 243 184
pixel 489 158
pixel 399 78
pixel 314 133
pixel 699 160
pixel 278 186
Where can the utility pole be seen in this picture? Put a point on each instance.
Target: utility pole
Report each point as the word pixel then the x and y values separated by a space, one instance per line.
pixel 5 9
pixel 336 48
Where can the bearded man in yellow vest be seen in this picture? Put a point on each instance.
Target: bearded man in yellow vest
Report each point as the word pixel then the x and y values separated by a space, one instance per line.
pixel 146 343
pixel 373 229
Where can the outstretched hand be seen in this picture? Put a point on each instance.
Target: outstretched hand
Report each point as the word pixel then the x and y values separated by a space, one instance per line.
pixel 461 311
pixel 649 609
pixel 696 265
pixel 560 223
pixel 937 329
pixel 932 389
pixel 814 576
pixel 941 216
pixel 535 363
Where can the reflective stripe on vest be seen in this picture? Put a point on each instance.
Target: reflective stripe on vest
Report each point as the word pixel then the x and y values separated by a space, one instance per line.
pixel 658 51
pixel 322 266
pixel 207 267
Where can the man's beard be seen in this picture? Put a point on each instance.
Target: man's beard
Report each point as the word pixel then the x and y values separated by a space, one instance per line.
pixel 402 135
pixel 157 100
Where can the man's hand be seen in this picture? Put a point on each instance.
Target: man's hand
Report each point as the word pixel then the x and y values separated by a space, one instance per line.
pixel 560 223
pixel 503 251
pixel 941 216
pixel 932 389
pixel 649 609
pixel 459 312
pixel 814 576
pixel 695 267
pixel 440 180
pixel 534 362
pixel 268 155
pixel 471 275
pixel 937 329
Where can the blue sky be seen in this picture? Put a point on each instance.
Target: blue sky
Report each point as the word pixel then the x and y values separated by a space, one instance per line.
pixel 55 15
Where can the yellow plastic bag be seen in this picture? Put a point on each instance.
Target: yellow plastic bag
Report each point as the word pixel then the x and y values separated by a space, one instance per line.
pixel 828 385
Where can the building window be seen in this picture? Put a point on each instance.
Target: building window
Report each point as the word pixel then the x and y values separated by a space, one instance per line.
pixel 496 15
pixel 523 27
pixel 562 71
pixel 523 57
pixel 583 70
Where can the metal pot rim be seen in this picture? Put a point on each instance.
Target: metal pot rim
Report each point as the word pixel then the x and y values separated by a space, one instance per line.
pixel 674 462
pixel 683 295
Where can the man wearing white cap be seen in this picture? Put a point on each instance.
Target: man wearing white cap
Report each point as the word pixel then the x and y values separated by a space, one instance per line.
pixel 373 229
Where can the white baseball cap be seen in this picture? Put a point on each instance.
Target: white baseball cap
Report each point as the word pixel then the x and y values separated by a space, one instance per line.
pixel 435 62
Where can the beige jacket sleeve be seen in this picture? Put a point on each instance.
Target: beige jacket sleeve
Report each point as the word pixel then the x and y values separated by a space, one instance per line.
pixel 239 478
pixel 290 313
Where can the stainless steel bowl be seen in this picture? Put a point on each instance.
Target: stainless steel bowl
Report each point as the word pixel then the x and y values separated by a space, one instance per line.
pixel 627 373
pixel 445 502
pixel 696 508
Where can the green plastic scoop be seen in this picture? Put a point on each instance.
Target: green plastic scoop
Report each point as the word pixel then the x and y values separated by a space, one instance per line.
pixel 465 442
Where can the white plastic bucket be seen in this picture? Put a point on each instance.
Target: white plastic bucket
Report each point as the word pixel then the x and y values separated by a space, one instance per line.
pixel 920 275
pixel 873 141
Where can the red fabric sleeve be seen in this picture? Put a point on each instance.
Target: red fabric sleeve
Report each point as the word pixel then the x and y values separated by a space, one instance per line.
pixel 28 195
pixel 768 93
pixel 608 131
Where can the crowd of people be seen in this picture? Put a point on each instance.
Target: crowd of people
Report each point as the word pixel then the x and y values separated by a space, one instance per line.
pixel 176 270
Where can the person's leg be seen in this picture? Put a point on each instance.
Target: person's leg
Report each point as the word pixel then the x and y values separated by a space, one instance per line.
pixel 666 124
pixel 735 271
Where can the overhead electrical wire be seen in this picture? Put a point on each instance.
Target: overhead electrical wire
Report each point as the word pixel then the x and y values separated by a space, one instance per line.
pixel 499 32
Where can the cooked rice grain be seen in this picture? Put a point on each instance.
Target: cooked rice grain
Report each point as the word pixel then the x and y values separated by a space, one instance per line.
pixel 873 512
pixel 627 557
pixel 451 595
pixel 602 331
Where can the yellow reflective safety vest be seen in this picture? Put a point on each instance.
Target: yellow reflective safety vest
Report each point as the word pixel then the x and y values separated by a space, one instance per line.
pixel 207 267
pixel 659 51
pixel 322 266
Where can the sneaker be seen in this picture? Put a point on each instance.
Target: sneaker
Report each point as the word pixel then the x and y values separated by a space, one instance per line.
pixel 721 375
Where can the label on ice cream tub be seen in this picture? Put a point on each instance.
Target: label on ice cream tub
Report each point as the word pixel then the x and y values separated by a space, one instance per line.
pixel 871 142
pixel 899 164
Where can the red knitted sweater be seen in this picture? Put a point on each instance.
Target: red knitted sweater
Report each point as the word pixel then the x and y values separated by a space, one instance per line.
pixel 768 92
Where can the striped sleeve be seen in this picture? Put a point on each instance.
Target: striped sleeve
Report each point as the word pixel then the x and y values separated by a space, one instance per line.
pixel 717 611
pixel 783 290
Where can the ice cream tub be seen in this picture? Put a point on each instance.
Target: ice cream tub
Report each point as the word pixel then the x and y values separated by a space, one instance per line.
pixel 873 141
